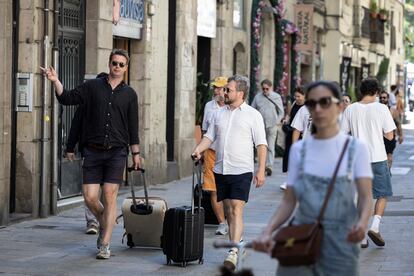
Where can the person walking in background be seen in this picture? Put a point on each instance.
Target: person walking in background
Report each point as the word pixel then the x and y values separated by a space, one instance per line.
pixel 270 105
pixel 392 102
pixel 315 158
pixel 110 125
pixel 371 121
pixel 288 129
pixel 391 144
pixel 74 137
pixel 235 129
pixel 209 184
pixel 346 101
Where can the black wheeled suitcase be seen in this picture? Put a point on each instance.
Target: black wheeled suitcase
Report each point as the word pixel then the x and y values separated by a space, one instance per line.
pixel 183 230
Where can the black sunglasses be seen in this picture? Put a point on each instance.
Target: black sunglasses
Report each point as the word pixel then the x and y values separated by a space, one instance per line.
pixel 116 63
pixel 265 88
pixel 324 102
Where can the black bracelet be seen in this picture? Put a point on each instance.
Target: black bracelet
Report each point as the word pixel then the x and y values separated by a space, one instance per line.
pixel 135 153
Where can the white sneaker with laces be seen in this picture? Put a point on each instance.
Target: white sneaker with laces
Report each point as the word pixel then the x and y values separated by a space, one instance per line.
pixel 222 229
pixel 104 252
pixel 231 261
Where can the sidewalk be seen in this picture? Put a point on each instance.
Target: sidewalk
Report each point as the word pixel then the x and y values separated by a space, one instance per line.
pixel 58 245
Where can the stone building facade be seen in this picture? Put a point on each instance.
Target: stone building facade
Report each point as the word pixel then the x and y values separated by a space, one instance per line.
pixel 353 44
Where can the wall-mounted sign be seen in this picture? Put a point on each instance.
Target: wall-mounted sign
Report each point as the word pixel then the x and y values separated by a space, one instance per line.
pixel 304 22
pixel 344 73
pixel 127 18
pixel 364 71
pixel 206 18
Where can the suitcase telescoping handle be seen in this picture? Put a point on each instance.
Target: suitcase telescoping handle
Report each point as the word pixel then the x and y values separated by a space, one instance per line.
pixel 196 173
pixel 135 208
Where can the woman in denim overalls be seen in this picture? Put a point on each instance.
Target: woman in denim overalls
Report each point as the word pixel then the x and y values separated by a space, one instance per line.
pixel 311 166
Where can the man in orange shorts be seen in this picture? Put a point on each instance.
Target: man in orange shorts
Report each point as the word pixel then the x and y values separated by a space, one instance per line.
pixel 209 184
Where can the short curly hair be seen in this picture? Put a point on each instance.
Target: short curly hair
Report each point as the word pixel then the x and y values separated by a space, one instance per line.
pixel 242 84
pixel 369 87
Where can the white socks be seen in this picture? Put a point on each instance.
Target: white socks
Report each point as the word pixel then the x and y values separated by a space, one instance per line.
pixel 375 223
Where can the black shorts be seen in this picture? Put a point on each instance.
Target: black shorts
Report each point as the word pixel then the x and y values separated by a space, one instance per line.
pixel 104 166
pixel 390 145
pixel 233 186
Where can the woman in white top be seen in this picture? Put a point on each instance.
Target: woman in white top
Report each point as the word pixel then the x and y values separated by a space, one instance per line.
pixel 314 160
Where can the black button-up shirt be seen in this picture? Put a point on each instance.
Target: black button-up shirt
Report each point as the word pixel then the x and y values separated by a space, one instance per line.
pixel 110 117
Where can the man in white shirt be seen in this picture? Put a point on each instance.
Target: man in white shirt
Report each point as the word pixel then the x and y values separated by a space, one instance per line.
pixel 270 105
pixel 209 183
pixel 370 121
pixel 302 124
pixel 235 129
pixel 392 102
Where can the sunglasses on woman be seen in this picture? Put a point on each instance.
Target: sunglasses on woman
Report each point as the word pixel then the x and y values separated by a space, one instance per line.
pixel 324 102
pixel 116 63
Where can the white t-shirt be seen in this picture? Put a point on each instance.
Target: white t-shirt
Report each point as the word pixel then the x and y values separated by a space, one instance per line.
pixel 235 132
pixel 322 155
pixel 369 122
pixel 209 109
pixel 303 122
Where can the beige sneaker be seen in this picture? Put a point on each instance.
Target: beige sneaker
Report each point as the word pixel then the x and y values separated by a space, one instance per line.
pixel 231 261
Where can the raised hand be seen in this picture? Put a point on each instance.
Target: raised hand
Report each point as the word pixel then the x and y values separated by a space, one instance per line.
pixel 50 73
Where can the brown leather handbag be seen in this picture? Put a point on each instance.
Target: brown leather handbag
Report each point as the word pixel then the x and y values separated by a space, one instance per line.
pixel 301 244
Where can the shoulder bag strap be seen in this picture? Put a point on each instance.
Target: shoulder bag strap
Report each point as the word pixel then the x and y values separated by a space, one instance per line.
pixel 332 183
pixel 277 108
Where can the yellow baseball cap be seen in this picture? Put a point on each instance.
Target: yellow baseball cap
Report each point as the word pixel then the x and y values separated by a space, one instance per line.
pixel 219 82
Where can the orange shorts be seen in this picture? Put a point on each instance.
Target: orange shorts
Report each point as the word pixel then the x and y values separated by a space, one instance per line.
pixel 209 160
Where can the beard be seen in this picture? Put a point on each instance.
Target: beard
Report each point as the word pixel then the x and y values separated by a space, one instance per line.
pixel 228 101
pixel 218 98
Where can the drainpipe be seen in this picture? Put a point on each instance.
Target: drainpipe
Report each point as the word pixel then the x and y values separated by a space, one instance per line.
pixel 43 210
pixel 55 117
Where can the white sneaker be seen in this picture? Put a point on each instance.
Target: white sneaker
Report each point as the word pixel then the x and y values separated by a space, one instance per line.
pixel 222 229
pixel 104 252
pixel 283 187
pixel 231 261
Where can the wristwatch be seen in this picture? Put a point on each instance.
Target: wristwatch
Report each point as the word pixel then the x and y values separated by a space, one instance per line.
pixel 135 153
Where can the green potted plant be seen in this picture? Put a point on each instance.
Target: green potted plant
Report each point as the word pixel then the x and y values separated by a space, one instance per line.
pixel 383 14
pixel 373 9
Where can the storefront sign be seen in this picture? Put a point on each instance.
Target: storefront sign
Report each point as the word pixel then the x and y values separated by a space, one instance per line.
pixel 206 18
pixel 304 22
pixel 128 16
pixel 344 73
pixel 364 71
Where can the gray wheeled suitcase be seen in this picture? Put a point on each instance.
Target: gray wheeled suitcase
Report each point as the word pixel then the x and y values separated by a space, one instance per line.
pixel 143 218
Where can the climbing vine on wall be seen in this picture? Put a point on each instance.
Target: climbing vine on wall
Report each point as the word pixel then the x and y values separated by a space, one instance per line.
pixel 282 28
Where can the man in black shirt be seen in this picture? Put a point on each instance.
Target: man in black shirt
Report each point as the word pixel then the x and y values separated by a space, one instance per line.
pixel 110 116
pixel 92 224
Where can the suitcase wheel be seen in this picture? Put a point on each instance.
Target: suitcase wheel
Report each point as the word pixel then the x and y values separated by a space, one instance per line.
pixel 130 243
pixel 201 261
